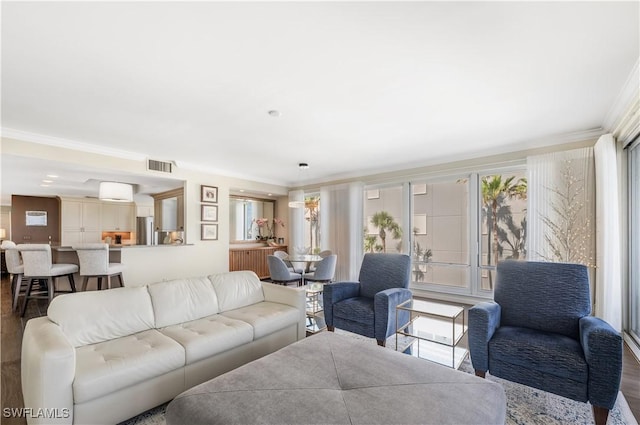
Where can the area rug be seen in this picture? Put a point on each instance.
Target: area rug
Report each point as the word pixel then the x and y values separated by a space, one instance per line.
pixel 525 405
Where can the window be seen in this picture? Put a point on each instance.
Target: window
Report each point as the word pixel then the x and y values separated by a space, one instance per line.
pixel 503 222
pixel 455 228
pixel 312 222
pixel 383 219
pixel 440 234
pixel 634 241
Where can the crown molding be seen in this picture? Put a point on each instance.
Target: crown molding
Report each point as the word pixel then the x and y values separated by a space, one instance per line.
pixel 627 97
pixel 500 156
pixel 59 142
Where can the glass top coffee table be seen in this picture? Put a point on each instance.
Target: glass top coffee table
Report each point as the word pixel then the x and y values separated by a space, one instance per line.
pixel 433 331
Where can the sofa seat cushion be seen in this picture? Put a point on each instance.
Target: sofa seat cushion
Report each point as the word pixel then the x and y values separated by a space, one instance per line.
pixel 547 352
pixel 209 336
pixel 265 317
pixel 109 366
pixel 357 309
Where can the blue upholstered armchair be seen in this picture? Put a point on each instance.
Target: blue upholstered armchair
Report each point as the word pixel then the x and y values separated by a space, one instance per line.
pixel 539 333
pixel 368 307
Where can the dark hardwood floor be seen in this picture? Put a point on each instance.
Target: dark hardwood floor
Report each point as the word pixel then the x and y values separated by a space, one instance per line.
pixel 11 326
pixel 630 385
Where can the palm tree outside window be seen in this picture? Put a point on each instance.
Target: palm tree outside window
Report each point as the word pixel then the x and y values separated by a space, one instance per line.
pixel 503 230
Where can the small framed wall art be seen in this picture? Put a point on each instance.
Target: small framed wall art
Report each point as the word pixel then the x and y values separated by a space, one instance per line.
pixel 209 232
pixel 36 218
pixel 209 213
pixel 209 194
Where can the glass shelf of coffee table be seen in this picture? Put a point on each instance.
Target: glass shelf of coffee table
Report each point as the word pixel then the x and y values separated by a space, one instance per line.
pixel 314 309
pixel 433 331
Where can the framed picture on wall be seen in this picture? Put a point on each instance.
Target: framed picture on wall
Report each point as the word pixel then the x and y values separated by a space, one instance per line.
pixel 36 218
pixel 209 194
pixel 209 232
pixel 209 213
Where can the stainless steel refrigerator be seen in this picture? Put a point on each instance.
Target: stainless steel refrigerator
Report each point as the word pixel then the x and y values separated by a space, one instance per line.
pixel 145 232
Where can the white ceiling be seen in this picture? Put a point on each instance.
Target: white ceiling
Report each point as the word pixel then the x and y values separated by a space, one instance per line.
pixel 361 87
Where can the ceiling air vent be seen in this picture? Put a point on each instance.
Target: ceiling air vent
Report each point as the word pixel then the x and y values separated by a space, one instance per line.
pixel 162 166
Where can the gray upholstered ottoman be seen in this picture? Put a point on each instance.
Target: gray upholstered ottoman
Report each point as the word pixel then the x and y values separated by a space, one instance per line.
pixel 335 379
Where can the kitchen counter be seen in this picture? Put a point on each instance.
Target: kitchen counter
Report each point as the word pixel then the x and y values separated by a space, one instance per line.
pixel 118 247
pixel 68 255
pixel 70 249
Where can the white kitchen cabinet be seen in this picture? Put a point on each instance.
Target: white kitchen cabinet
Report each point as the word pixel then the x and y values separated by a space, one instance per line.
pixel 81 221
pixel 144 211
pixel 118 217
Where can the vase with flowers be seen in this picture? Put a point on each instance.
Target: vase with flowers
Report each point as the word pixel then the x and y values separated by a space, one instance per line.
pixel 266 228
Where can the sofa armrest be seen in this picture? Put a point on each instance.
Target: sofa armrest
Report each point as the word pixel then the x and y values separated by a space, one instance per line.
pixel 602 347
pixel 48 370
pixel 295 297
pixel 484 319
pixel 384 305
pixel 336 292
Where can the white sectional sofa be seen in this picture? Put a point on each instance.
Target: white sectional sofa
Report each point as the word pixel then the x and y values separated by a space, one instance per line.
pixel 101 357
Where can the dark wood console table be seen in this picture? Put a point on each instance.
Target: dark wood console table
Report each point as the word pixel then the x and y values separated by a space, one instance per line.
pixel 252 258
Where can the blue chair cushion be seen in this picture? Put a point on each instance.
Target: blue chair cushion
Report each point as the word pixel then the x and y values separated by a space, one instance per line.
pixel 550 297
pixel 383 271
pixel 357 309
pixel 546 352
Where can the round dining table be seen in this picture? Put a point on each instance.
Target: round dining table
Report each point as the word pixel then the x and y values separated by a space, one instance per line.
pixel 307 259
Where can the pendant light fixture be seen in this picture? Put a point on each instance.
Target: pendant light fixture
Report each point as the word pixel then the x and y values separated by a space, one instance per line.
pixel 116 192
pixel 299 204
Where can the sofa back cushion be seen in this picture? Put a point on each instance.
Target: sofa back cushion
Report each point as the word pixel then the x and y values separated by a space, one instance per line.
pixel 96 316
pixel 237 289
pixel 182 300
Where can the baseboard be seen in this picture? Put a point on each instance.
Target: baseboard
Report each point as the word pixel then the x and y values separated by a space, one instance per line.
pixel 633 346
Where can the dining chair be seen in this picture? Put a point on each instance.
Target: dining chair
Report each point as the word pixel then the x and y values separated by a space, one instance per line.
pixel 325 269
pixel 38 265
pixel 94 262
pixel 15 268
pixel 323 254
pixel 280 273
pixel 283 256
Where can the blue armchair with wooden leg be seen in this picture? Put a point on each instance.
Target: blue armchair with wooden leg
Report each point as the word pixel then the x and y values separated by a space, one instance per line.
pixel 539 332
pixel 368 307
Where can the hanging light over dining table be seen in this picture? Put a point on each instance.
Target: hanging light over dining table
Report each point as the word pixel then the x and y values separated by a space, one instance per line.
pixel 299 204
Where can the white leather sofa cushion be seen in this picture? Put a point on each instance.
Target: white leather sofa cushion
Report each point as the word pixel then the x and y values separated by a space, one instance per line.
pixel 109 366
pixel 209 336
pixel 237 289
pixel 108 314
pixel 266 317
pixel 183 300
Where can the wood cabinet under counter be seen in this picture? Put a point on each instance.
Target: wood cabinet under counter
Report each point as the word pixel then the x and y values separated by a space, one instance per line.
pixel 252 258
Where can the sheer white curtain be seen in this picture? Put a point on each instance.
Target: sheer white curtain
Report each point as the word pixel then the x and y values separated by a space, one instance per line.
pixel 561 207
pixel 608 272
pixel 341 226
pixel 296 218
